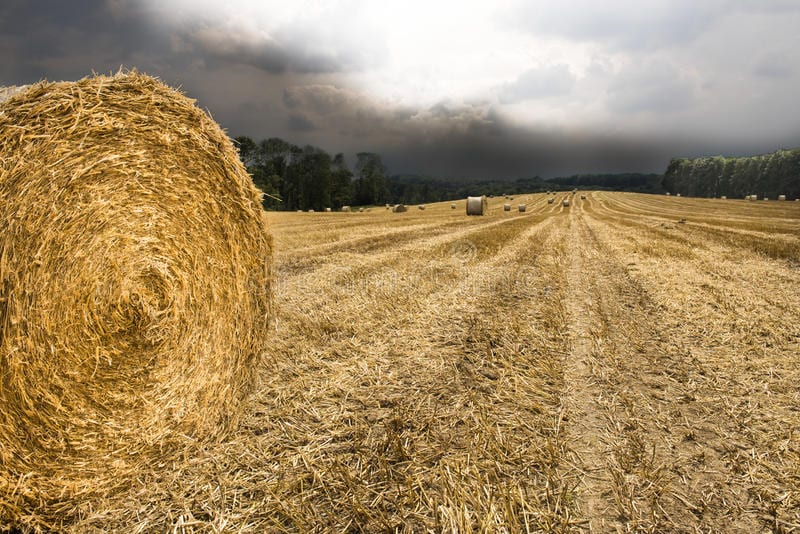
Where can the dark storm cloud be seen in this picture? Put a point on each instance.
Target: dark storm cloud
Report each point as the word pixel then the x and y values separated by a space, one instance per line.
pixel 275 56
pixel 294 81
pixel 68 40
pixel 474 141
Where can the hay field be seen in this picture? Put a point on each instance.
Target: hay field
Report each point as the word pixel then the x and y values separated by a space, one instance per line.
pixel 602 367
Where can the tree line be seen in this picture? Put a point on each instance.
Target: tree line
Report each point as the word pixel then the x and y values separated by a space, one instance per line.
pixel 307 177
pixel 304 178
pixel 770 175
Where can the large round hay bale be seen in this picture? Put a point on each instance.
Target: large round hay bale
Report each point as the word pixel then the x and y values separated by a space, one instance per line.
pixel 135 289
pixel 477 205
pixel 399 208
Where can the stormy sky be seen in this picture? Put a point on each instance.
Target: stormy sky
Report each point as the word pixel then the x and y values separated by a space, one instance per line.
pixel 507 88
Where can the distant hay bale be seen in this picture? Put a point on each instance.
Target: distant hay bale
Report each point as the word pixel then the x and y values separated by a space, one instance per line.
pixel 583 197
pixel 311 211
pixel 668 193
pixel 399 208
pixel 506 207
pixel 452 206
pixel 551 200
pixel 477 205
pixel 565 203
pixel 522 208
pixel 327 210
pixel 12 90
pixel 781 197
pixel 135 289
pixel 723 197
pixel 766 198
pixel 751 197
pixel 345 208
pixel 421 206
pixel 677 194
pixel 360 210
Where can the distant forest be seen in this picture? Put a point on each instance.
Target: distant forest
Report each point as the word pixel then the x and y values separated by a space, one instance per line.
pixel 294 177
pixel 767 175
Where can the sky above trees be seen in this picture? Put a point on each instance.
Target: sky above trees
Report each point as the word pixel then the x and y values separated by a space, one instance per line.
pixel 468 88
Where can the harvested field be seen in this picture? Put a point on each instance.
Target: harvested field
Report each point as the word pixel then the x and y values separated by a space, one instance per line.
pixel 597 368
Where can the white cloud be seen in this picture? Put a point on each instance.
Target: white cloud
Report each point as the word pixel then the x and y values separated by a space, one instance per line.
pixel 536 83
pixel 652 87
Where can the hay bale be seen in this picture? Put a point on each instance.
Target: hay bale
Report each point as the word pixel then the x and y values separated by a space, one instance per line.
pixel 345 208
pixel 668 193
pixel 327 210
pixel 452 206
pixel 781 197
pixel 477 205
pixel 723 197
pixel 565 203
pixel 677 194
pixel 421 206
pixel 506 207
pixel 551 200
pixel 399 208
pixel 522 208
pixel 135 289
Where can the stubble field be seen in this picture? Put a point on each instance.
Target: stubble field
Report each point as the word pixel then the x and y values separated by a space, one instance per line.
pixel 626 364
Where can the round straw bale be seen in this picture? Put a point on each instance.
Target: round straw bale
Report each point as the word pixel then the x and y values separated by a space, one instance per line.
pixel 399 208
pixel 522 208
pixel 135 289
pixel 477 205
pixel 506 207
pixel 452 206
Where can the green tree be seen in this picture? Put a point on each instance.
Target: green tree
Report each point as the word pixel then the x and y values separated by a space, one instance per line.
pixel 371 185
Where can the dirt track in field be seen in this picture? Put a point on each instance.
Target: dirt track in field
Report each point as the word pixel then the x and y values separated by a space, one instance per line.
pixel 602 367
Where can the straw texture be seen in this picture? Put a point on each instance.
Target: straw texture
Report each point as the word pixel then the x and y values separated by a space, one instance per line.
pixel 135 288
